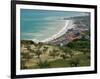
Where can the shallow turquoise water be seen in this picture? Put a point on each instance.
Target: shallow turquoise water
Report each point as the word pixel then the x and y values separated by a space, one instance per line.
pixel 42 24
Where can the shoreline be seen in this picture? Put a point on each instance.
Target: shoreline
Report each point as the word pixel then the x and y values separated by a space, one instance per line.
pixel 61 32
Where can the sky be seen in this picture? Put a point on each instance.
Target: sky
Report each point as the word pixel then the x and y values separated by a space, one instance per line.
pixel 39 25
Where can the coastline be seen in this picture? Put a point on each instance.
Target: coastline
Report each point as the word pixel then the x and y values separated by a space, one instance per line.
pixel 61 32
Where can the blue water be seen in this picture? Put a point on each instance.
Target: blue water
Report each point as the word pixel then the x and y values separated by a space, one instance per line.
pixel 42 24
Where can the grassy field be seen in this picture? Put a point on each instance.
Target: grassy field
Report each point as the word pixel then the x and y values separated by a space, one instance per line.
pixel 74 54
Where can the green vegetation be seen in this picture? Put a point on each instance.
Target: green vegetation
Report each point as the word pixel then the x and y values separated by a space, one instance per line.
pixel 44 64
pixel 54 53
pixel 73 54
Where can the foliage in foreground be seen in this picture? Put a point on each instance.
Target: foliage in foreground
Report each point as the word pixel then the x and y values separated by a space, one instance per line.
pixel 74 54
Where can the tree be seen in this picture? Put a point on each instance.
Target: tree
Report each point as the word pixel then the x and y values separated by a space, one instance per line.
pixel 40 44
pixel 54 53
pixel 63 55
pixel 45 49
pixel 67 50
pixel 38 53
pixel 29 48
